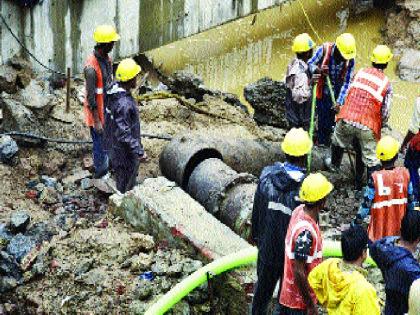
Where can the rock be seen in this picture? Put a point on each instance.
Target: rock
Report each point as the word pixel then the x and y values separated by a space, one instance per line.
pixel 7 284
pixel 76 177
pixel 5 236
pixel 49 196
pixel 42 231
pixel 17 117
pixel 181 308
pixel 20 246
pixel 84 267
pixel 34 97
pixel 141 262
pixel 86 183
pixel 191 266
pixel 143 290
pixel 19 221
pixel 8 149
pixel 95 277
pixel 160 267
pixel 143 241
pixel 137 307
pixel 9 266
pixel 175 270
pixel 409 66
pixel 55 162
pixel 49 181
pixel 8 78
pixel 267 97
pixel 88 163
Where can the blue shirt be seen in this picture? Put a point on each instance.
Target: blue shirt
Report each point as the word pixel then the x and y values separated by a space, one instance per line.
pixel 335 71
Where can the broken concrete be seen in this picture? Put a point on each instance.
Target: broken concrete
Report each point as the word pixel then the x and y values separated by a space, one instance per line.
pixel 16 117
pixel 8 149
pixel 409 66
pixel 267 97
pixel 8 78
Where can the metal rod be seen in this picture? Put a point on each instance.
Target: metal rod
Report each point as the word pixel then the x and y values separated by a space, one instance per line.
pixel 68 90
pixel 311 126
pixel 210 290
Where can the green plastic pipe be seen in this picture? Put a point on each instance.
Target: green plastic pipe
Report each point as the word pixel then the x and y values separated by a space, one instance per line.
pixel 330 88
pixel 241 258
pixel 311 126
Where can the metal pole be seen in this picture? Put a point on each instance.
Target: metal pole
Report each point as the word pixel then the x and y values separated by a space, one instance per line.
pixel 68 90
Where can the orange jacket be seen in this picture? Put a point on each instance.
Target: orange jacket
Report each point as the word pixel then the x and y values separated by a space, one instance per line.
pixel 364 101
pixel 390 202
pixel 94 63
pixel 290 295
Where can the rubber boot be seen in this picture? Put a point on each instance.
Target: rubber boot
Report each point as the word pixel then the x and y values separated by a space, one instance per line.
pixel 333 163
pixel 359 180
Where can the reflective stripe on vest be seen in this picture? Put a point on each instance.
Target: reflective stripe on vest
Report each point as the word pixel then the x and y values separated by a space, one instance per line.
pixel 376 93
pixel 389 203
pixel 277 206
pixel 99 91
pixel 303 224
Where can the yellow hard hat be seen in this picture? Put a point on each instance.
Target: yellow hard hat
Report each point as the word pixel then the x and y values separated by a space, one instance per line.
pixel 105 34
pixel 346 44
pixel 296 142
pixel 302 43
pixel 314 188
pixel 387 148
pixel 381 54
pixel 127 70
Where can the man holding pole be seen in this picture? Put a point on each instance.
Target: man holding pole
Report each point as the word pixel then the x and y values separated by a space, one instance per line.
pixel 335 61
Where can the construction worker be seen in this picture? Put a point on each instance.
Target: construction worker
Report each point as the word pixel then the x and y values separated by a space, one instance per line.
pixel 395 257
pixel 340 284
pixel 303 247
pixel 123 127
pixel 388 195
pixel 298 83
pixel 414 298
pixel 412 156
pixel 98 75
pixel 336 60
pixel 364 114
pixel 275 198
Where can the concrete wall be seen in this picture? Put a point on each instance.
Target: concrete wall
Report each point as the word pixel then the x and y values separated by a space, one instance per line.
pixel 59 32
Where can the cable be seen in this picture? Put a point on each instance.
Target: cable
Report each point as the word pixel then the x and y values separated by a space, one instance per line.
pixel 309 22
pixel 27 50
pixel 59 140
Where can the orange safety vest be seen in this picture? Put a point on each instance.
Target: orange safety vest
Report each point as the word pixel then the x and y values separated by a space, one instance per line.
pixel 364 100
pixel 325 62
pixel 93 62
pixel 390 202
pixel 290 295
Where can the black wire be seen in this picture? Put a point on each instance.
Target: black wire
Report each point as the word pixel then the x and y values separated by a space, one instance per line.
pixel 58 140
pixel 27 50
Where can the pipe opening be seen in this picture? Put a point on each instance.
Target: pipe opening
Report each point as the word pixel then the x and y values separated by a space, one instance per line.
pixel 196 159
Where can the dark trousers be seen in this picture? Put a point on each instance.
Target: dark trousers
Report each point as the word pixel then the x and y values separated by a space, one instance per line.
pixel 268 275
pixel 126 175
pixel 100 158
pixel 297 115
pixel 284 310
pixel 326 119
pixel 412 163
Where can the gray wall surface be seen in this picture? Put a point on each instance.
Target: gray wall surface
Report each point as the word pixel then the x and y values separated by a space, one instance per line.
pixel 59 32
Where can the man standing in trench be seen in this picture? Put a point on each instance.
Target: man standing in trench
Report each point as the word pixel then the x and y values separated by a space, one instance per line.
pixel 336 60
pixel 275 198
pixel 98 75
pixel 123 127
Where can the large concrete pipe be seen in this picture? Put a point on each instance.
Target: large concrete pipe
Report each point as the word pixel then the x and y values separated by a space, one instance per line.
pixel 225 193
pixel 180 156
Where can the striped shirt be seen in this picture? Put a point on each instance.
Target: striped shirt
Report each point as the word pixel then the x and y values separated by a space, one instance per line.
pixel 335 70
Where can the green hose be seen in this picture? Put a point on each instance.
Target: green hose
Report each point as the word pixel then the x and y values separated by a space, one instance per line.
pixel 330 88
pixel 241 258
pixel 311 126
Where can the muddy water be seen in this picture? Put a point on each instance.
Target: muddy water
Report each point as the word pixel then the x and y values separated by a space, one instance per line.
pixel 232 55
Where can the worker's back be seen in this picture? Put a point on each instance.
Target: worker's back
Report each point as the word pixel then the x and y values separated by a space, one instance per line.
pixel 390 202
